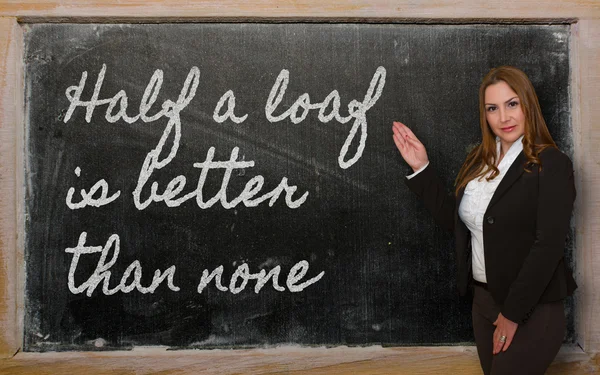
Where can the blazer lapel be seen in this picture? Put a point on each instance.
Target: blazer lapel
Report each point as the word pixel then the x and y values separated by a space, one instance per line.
pixel 513 173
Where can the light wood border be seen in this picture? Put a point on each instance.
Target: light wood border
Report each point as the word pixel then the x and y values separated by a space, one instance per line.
pixel 11 124
pixel 587 162
pixel 585 58
pixel 83 10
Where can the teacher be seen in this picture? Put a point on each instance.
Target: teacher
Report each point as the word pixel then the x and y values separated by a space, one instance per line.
pixel 510 215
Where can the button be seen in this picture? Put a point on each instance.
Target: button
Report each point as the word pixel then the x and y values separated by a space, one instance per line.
pixel 490 220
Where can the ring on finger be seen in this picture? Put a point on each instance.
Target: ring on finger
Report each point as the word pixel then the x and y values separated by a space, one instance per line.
pixel 502 339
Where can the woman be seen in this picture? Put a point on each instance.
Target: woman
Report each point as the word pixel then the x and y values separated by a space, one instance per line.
pixel 510 215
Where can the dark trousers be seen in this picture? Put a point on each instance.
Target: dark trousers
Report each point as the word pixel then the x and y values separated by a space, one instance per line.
pixel 534 345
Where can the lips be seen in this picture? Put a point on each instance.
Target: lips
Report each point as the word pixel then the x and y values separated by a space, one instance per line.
pixel 509 128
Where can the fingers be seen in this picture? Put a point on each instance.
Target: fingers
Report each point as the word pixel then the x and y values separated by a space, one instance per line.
pixel 498 344
pixel 397 130
pixel 401 130
pixel 404 138
pixel 399 140
pixel 503 334
pixel 502 341
pixel 509 339
pixel 498 337
pixel 397 124
pixel 407 134
pixel 400 143
pixel 409 146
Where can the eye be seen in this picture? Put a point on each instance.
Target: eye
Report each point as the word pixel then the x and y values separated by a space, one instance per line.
pixel 513 104
pixel 491 108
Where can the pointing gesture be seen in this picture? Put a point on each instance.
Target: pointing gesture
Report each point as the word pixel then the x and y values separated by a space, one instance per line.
pixel 412 150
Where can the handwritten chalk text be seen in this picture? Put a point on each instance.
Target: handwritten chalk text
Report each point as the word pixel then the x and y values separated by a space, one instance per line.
pixel 297 273
pixel 169 108
pixel 102 273
pixel 87 198
pixel 176 186
pixel 357 110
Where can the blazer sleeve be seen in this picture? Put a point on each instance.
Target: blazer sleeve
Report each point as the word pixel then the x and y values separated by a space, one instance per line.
pixel 556 194
pixel 431 190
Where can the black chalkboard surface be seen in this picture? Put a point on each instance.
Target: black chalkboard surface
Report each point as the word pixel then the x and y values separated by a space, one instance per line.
pixel 236 185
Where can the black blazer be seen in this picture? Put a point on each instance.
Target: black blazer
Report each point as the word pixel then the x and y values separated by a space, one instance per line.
pixel 524 231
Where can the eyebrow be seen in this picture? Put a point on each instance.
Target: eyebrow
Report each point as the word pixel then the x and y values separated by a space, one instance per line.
pixel 514 97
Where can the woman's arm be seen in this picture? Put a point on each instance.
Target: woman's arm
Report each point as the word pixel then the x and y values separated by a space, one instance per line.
pixel 425 184
pixel 432 192
pixel 412 150
pixel 556 194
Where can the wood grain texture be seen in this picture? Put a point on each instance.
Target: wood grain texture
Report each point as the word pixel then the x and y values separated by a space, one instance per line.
pixel 587 160
pixel 312 9
pixel 10 118
pixel 462 360
pixel 288 360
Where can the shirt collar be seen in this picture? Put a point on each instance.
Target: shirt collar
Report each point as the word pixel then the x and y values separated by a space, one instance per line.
pixel 514 149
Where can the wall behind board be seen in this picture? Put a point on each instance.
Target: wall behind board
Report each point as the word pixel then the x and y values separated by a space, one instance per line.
pixel 359 260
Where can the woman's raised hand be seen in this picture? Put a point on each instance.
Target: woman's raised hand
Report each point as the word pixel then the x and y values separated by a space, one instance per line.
pixel 411 149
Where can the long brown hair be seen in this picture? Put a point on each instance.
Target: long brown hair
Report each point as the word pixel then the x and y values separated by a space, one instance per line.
pixel 482 158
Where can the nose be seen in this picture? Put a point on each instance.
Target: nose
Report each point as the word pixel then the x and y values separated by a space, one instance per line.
pixel 503 115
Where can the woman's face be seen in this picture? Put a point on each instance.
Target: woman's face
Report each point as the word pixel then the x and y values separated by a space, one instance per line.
pixel 504 113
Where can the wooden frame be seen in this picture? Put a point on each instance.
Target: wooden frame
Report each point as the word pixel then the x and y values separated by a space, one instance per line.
pixel 585 58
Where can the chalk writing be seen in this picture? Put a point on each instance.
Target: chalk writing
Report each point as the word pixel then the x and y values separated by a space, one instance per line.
pixel 87 198
pixel 102 273
pixel 151 92
pixel 176 186
pixel 297 273
pixel 357 110
pixel 147 189
pixel 230 98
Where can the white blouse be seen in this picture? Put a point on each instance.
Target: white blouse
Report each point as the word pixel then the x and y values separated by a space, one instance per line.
pixel 477 196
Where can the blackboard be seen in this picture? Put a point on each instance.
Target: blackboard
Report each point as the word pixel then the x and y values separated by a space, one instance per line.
pixel 282 133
